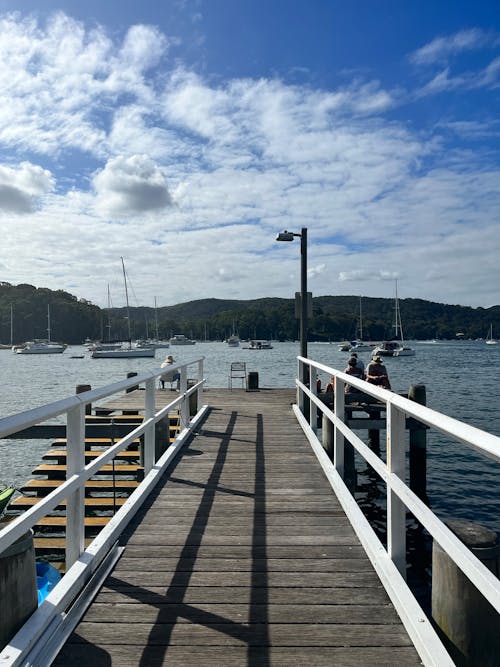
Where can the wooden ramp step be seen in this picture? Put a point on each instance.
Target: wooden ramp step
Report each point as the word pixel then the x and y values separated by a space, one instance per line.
pixel 59 471
pixel 108 503
pixel 103 442
pixel 45 486
pixel 61 455
pixel 53 544
pixel 60 521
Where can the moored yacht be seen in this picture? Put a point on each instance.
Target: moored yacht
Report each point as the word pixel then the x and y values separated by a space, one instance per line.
pixel 180 339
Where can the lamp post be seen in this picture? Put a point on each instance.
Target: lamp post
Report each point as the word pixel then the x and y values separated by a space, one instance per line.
pixel 289 236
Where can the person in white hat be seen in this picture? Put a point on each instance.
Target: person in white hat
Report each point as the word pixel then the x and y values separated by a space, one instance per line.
pixel 173 376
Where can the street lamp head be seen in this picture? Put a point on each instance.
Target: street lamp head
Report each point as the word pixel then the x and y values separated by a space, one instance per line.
pixel 285 236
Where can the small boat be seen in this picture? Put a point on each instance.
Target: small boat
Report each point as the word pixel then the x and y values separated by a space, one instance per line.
pixel 490 340
pixel 39 346
pixel 124 353
pixel 345 346
pixel 180 339
pixel 258 344
pixel 233 341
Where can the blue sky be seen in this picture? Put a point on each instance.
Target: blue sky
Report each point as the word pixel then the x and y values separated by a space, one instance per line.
pixel 184 135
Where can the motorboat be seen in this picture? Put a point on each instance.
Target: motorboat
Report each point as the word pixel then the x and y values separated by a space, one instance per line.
pixel 233 341
pixel 180 339
pixel 39 346
pixel 258 344
pixel 359 346
pixel 155 344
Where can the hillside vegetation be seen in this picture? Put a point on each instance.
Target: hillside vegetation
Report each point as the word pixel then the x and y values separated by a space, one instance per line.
pixel 334 318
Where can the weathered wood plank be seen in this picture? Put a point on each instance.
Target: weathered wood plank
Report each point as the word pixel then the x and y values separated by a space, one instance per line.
pixel 116 655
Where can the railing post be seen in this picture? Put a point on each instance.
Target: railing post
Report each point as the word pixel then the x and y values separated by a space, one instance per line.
pixel 149 435
pixel 184 409
pixel 338 438
pixel 396 513
pixel 300 393
pixel 75 463
pixel 313 410
pixel 200 388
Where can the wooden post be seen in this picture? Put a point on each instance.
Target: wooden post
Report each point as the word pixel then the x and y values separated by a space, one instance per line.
pixel 80 389
pixel 328 438
pixel 418 447
pixel 469 626
pixel 374 433
pixel 17 585
pixel 131 374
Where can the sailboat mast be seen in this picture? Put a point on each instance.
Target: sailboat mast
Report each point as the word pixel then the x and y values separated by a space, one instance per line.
pixel 126 298
pixel 11 325
pixel 108 325
pixel 398 325
pixel 360 321
pixel 48 322
pixel 156 322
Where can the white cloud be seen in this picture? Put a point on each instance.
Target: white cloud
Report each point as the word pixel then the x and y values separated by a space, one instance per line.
pixel 131 185
pixel 441 48
pixel 191 180
pixel 21 187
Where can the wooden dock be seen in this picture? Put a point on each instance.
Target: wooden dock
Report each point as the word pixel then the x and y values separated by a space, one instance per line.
pixel 242 556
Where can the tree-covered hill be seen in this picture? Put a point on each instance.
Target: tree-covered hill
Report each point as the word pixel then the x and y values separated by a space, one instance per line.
pixel 334 318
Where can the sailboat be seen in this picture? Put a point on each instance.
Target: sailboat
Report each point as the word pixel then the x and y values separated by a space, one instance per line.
pixel 490 340
pixel 395 347
pixel 360 345
pixel 39 345
pixel 154 343
pixel 124 352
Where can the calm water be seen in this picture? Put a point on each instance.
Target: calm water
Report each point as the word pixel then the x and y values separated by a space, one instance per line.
pixel 461 380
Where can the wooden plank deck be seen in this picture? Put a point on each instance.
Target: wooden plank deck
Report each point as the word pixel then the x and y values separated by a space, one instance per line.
pixel 242 556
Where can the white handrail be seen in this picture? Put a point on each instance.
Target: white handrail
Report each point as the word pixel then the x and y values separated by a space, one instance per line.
pixel 77 474
pixel 399 496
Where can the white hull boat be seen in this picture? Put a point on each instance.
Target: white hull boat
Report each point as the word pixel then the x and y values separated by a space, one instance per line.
pixel 124 353
pixel 258 344
pixel 39 347
pixel 490 340
pixel 180 339
pixel 395 348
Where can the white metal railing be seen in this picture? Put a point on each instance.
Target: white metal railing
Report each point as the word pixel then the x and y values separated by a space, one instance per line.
pixel 81 563
pixel 390 563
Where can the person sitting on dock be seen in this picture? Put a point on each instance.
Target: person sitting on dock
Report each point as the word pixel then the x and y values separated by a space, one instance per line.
pixel 359 362
pixel 356 371
pixel 376 373
pixel 173 376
